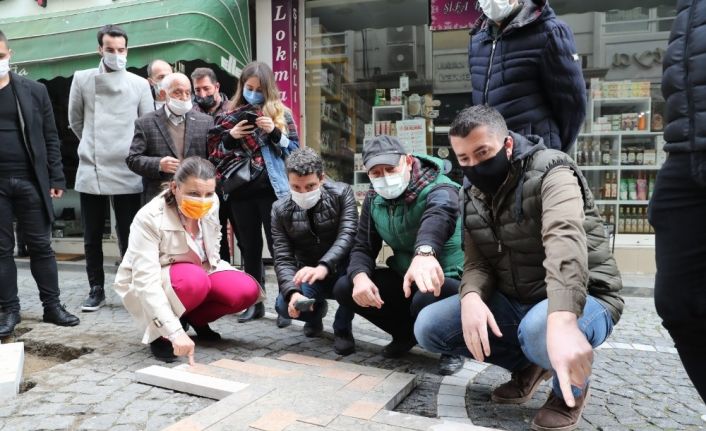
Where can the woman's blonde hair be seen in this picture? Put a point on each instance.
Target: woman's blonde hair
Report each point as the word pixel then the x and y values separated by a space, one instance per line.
pixel 273 106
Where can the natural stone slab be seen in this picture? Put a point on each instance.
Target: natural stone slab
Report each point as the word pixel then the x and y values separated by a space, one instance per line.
pixel 420 423
pixel 363 409
pixel 275 420
pixel 363 383
pixel 184 381
pixel 452 412
pixel 451 400
pixel 452 390
pixel 250 368
pixel 12 359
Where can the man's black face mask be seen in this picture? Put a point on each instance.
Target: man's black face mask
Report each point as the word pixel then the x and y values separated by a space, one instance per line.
pixel 205 102
pixel 490 174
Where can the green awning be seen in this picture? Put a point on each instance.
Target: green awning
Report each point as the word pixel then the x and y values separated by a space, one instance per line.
pixel 51 45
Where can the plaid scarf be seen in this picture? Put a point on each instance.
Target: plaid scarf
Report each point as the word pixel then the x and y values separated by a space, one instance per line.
pixel 225 160
pixel 421 176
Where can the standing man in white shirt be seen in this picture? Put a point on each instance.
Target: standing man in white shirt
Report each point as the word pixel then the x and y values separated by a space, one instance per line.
pixel 103 105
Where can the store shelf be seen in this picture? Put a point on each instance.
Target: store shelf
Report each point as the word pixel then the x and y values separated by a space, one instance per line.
pixel 599 168
pixel 620 133
pixel 621 101
pixel 639 167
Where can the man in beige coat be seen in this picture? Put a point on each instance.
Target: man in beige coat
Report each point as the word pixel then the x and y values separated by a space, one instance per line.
pixel 103 105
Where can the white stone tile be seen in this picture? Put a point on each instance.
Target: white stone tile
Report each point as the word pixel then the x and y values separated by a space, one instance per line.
pixel 12 358
pixel 644 347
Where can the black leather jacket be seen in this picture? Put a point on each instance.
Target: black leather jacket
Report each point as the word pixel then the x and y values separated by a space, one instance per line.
pixel 323 234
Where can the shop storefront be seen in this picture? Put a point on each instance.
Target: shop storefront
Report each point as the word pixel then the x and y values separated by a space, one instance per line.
pixel 401 68
pixel 50 45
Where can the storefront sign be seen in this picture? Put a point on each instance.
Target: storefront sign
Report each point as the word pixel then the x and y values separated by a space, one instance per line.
pixel 413 135
pixel 453 14
pixel 285 53
pixel 451 73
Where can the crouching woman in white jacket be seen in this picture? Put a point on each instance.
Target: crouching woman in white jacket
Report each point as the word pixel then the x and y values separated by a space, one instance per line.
pixel 171 275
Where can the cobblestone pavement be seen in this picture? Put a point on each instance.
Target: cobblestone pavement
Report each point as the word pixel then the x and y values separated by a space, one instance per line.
pixel 639 383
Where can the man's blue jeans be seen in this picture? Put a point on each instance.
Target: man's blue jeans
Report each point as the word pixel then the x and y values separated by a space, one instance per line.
pixel 320 291
pixel 524 328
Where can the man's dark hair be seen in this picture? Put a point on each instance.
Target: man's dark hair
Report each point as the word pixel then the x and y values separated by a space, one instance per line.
pixel 3 38
pixel 305 161
pixel 204 72
pixel 111 30
pixel 476 116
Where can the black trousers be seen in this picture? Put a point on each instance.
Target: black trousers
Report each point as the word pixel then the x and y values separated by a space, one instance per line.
pixel 678 213
pixel 249 216
pixel 94 212
pixel 397 315
pixel 19 197
pixel 223 217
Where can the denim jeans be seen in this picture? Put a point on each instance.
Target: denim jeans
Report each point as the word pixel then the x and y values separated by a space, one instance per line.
pixel 524 328
pixel 320 291
pixel 20 198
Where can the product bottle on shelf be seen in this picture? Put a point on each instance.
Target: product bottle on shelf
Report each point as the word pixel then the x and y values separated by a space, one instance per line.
pixel 624 195
pixel 614 186
pixel 632 188
pixel 621 221
pixel 641 187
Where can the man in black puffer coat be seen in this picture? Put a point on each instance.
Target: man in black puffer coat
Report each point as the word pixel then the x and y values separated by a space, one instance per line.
pixel 524 63
pixel 313 231
pixel 678 206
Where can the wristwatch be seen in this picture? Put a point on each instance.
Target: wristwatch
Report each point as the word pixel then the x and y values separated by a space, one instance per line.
pixel 424 250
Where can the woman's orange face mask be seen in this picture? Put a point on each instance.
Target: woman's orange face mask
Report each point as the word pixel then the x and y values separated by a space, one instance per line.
pixel 195 208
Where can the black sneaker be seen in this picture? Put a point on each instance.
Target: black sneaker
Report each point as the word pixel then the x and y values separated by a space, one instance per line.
pixel 397 348
pixel 450 364
pixel 256 311
pixel 283 322
pixel 343 343
pixel 162 349
pixel 95 300
pixel 312 330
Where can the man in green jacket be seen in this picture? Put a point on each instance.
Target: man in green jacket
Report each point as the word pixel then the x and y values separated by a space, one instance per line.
pixel 538 270
pixel 413 207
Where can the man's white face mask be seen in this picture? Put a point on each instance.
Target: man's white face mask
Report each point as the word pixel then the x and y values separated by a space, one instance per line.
pixel 496 10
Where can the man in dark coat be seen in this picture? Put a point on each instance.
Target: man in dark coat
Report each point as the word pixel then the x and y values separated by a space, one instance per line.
pixel 678 206
pixel 523 62
pixel 313 230
pixel 168 135
pixel 30 176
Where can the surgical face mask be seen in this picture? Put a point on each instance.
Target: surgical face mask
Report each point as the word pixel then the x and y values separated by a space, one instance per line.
pixel 195 208
pixel 391 186
pixel 490 174
pixel 115 61
pixel 4 67
pixel 253 97
pixel 157 86
pixel 496 10
pixel 206 103
pixel 179 107
pixel 306 200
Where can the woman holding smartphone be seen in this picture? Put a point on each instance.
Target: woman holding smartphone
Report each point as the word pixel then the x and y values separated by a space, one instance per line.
pixel 248 146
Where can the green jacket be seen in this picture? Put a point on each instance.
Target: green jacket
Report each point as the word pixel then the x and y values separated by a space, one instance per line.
pixel 398 223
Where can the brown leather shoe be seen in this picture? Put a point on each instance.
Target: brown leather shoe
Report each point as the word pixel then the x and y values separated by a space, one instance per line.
pixel 521 386
pixel 556 416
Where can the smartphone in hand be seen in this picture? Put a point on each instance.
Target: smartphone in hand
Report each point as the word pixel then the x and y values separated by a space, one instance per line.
pixel 304 304
pixel 251 117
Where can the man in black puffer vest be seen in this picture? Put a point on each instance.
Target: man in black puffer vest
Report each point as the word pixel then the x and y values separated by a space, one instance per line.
pixel 313 231
pixel 524 63
pixel 538 270
pixel 678 206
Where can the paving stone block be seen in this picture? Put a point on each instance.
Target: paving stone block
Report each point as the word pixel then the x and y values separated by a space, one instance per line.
pixel 190 383
pixel 12 358
pixel 621 346
pixel 307 360
pixel 363 409
pixel 363 383
pixel 320 420
pixel 452 390
pixel 250 368
pixel 451 400
pixel 452 412
pixel 275 420
pixel 454 381
pixel 222 409
pixel 338 374
pixel 644 347
pixel 475 366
